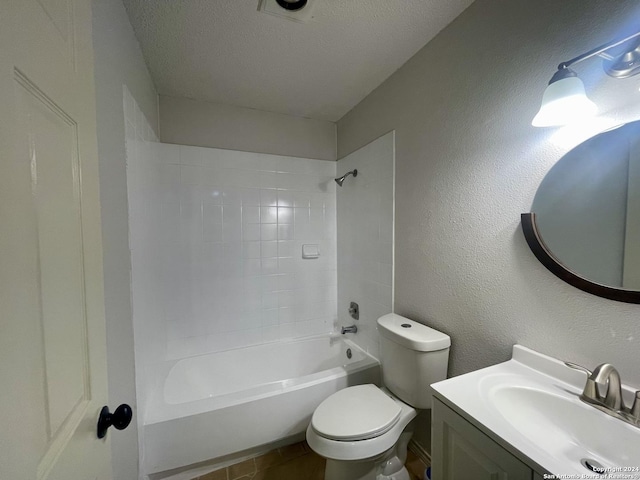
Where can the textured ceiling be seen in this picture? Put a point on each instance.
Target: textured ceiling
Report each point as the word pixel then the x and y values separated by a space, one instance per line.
pixel 226 51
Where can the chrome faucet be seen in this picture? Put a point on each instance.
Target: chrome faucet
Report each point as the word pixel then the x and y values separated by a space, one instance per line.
pixel 607 376
pixel 349 329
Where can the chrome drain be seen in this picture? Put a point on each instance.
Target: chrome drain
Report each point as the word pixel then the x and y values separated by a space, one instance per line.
pixel 592 466
pixel 349 354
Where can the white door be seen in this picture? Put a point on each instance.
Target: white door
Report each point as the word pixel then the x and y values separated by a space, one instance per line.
pixel 52 332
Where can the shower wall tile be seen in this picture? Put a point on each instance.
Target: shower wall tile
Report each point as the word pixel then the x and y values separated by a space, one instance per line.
pixel 364 226
pixel 216 240
pixel 226 229
pixel 147 176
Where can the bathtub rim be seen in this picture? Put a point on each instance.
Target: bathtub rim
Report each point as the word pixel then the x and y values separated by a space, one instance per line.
pixel 159 411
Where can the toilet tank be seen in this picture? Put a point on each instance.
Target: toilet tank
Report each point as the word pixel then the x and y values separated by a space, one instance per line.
pixel 412 356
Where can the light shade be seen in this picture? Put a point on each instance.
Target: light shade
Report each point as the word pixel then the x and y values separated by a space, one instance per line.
pixel 564 101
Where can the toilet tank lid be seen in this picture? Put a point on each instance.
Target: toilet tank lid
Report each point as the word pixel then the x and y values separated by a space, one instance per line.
pixel 412 334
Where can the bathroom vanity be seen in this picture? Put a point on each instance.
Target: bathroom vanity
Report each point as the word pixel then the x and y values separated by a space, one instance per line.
pixel 463 451
pixel 523 419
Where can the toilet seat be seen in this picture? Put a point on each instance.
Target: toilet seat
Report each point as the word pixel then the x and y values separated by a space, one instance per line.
pixel 356 413
pixel 358 450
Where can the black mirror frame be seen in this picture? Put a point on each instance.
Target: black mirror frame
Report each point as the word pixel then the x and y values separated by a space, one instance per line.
pixel 544 255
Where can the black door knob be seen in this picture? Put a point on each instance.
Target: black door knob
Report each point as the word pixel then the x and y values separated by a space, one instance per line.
pixel 120 419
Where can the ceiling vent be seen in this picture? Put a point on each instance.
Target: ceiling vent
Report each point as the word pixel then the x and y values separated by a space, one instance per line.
pixel 296 10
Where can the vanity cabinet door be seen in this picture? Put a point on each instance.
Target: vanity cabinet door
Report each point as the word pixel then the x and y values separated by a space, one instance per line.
pixel 462 452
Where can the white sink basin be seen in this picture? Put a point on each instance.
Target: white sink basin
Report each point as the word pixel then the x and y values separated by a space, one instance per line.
pixel 532 404
pixel 567 427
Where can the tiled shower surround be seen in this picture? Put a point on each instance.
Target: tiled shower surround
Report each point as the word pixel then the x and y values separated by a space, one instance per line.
pixel 365 238
pixel 240 276
pixel 230 229
pixel 216 240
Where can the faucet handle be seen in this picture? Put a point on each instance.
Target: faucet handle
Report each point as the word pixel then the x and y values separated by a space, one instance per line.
pixel 575 366
pixel 590 392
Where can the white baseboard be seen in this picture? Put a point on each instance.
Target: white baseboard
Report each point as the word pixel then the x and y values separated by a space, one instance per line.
pixel 420 452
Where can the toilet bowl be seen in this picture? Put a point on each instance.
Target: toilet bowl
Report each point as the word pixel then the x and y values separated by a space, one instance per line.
pixel 363 431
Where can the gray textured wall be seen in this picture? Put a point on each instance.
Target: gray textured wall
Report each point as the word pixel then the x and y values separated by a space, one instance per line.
pixel 468 163
pixel 205 124
pixel 118 61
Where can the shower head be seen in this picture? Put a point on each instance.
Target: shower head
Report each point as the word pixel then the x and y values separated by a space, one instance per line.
pixel 340 180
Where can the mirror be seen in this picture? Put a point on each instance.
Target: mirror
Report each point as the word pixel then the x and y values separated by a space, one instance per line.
pixel 587 212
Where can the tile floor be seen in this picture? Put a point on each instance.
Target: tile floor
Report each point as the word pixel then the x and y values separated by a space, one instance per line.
pixel 293 462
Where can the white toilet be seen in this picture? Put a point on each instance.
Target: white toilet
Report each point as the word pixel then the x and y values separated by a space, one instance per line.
pixel 363 431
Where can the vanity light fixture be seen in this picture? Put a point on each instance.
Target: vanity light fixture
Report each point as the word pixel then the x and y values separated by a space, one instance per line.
pixel 565 99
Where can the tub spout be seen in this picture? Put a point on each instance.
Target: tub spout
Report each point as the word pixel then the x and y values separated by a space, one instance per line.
pixel 349 329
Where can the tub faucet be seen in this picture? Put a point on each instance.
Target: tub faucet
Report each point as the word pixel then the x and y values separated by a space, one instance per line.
pixel 349 329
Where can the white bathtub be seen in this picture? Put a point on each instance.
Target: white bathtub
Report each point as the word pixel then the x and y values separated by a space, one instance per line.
pixel 211 406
